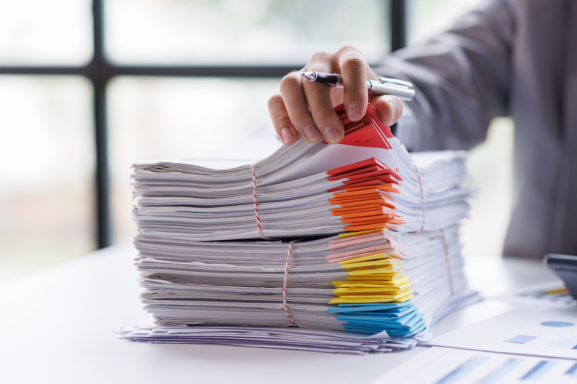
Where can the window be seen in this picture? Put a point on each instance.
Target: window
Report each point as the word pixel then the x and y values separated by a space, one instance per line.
pixel 35 32
pixel 47 156
pixel 248 32
pixel 87 87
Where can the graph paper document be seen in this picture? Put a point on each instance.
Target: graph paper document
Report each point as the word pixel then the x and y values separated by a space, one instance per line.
pixel 456 366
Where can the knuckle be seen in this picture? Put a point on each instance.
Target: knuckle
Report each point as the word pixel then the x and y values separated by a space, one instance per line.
pixel 326 117
pixel 279 119
pixel 320 56
pixel 290 82
pixel 353 63
pixel 317 95
pixel 274 100
pixel 348 48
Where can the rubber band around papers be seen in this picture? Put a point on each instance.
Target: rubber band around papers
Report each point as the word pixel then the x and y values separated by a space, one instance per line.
pixel 448 259
pixel 258 225
pixel 290 247
pixel 284 306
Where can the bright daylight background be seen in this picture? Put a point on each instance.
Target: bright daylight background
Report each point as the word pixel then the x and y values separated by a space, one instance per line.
pixel 46 151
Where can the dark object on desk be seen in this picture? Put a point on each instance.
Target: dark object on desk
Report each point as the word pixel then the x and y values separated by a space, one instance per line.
pixel 565 267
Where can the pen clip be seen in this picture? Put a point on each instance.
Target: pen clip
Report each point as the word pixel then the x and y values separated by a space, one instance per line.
pixel 396 82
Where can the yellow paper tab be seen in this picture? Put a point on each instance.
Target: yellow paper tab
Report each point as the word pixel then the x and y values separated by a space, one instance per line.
pixel 372 271
pixel 373 256
pixel 378 276
pixel 396 264
pixel 370 283
pixel 371 290
pixel 382 296
pixel 371 299
pixel 347 234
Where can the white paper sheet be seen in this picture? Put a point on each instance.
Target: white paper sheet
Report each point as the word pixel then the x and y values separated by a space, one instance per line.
pixel 539 331
pixel 457 366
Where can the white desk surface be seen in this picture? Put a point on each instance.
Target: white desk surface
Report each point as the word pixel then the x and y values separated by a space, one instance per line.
pixel 56 328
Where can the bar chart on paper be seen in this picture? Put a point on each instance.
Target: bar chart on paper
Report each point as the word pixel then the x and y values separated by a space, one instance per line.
pixel 456 366
pixel 538 331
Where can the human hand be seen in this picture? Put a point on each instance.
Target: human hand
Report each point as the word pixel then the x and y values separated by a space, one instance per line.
pixel 306 109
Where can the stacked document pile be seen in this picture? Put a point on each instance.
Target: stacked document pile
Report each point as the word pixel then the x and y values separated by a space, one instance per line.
pixel 349 248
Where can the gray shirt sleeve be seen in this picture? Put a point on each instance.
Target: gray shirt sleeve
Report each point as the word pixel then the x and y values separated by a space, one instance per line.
pixel 462 80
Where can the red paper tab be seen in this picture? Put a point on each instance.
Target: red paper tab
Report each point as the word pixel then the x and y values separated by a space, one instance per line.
pixel 356 166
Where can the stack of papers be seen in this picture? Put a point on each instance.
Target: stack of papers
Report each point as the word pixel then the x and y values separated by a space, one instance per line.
pixel 275 338
pixel 376 284
pixel 369 181
pixel 358 238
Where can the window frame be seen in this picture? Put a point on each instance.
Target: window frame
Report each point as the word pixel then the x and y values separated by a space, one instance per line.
pixel 99 71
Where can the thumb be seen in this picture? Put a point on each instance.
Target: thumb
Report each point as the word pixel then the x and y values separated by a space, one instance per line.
pixel 389 108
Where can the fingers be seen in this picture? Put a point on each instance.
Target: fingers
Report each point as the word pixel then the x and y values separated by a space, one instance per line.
pixel 296 106
pixel 389 108
pixel 318 97
pixel 306 109
pixel 281 121
pixel 354 70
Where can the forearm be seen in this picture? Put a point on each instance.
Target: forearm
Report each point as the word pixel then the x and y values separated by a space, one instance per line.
pixel 462 80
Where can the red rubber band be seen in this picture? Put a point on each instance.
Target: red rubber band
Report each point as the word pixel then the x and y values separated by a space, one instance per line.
pixel 290 251
pixel 259 227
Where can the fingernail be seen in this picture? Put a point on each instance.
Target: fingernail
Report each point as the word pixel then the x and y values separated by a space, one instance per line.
pixel 393 112
pixel 354 112
pixel 332 135
pixel 312 133
pixel 287 135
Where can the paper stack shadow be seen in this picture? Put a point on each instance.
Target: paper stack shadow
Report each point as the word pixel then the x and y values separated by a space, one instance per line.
pixel 347 248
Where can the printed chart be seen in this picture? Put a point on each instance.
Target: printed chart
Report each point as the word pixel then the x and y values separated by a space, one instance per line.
pixel 456 366
pixel 537 331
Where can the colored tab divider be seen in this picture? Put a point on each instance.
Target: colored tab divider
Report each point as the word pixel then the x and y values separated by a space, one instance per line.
pixel 377 294
pixel 365 202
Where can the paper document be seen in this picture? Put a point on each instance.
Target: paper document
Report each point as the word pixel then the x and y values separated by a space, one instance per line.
pixel 301 339
pixel 545 294
pixel 359 237
pixel 457 366
pixel 539 331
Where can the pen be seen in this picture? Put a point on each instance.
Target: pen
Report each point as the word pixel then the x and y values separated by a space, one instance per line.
pixel 383 86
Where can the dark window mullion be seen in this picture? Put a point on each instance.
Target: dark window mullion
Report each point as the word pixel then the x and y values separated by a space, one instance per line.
pixel 398 24
pixel 99 76
pixel 102 185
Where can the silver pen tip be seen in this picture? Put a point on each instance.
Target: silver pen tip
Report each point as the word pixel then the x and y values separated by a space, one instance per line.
pixel 312 75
